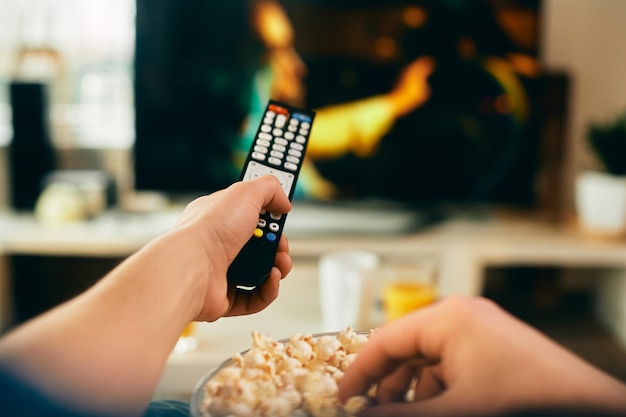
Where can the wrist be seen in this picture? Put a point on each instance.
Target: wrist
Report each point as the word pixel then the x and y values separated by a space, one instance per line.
pixel 172 274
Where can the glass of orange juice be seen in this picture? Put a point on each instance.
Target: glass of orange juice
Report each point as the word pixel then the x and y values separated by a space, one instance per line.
pixel 187 340
pixel 409 285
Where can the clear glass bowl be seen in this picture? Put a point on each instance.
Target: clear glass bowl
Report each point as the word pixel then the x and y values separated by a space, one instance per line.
pixel 198 392
pixel 198 395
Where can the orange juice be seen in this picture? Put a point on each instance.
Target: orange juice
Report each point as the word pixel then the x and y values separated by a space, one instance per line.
pixel 188 330
pixel 187 340
pixel 402 297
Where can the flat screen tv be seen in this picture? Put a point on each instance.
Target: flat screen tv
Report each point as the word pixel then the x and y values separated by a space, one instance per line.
pixel 202 69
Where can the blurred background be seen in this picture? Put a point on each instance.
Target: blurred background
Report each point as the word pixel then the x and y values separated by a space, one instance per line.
pixel 84 52
pixel 134 107
pixel 515 87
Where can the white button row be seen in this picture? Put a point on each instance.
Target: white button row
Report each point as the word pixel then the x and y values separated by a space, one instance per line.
pixel 282 141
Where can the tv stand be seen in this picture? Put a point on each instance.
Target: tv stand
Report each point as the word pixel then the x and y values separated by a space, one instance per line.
pixel 357 218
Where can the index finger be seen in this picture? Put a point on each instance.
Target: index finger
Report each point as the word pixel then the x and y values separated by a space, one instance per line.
pixel 404 339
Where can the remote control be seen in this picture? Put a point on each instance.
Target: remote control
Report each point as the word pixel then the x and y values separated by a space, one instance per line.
pixel 278 149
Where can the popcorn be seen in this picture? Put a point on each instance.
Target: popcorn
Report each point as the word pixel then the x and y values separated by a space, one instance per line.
pixel 295 378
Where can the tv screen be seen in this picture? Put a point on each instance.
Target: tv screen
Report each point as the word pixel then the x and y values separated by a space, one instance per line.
pixel 419 102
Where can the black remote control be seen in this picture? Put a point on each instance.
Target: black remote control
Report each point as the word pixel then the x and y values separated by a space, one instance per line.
pixel 278 150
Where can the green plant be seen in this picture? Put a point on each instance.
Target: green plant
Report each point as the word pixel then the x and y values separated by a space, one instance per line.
pixel 608 140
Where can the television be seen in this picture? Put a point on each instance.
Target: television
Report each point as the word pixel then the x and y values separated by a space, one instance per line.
pixel 201 70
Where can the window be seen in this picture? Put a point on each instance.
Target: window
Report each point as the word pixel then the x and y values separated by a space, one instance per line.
pixel 83 51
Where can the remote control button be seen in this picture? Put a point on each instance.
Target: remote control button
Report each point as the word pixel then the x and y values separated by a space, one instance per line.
pixel 266 128
pixel 277 132
pixel 300 139
pixel 260 149
pixel 293 121
pixel 294 153
pixel 281 120
pixel 258 233
pixel 275 216
pixel 265 136
pixel 263 142
pixel 262 223
pixel 268 120
pixel 289 135
pixel 274 227
pixel 292 128
pixel 293 159
pixel 281 141
pixel 274 161
pixel 297 146
pixel 304 132
pixel 277 154
pixel 263 212
pixel 271 237
pixel 277 109
pixel 279 148
pixel 306 125
pixel 291 167
pixel 270 113
pixel 258 156
pixel 302 117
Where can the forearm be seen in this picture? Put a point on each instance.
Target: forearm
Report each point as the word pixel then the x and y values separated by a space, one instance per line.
pixel 597 390
pixel 108 346
pixel 561 381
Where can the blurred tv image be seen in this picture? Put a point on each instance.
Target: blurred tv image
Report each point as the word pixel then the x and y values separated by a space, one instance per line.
pixel 420 102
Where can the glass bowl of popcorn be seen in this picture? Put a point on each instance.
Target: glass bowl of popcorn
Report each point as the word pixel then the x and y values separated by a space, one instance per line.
pixel 294 377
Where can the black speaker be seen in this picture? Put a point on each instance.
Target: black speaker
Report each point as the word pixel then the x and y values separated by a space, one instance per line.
pixel 31 154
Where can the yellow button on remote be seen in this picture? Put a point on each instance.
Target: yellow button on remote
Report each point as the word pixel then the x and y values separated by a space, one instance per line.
pixel 258 233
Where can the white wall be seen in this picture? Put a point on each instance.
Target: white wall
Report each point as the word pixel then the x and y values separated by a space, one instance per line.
pixel 586 38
